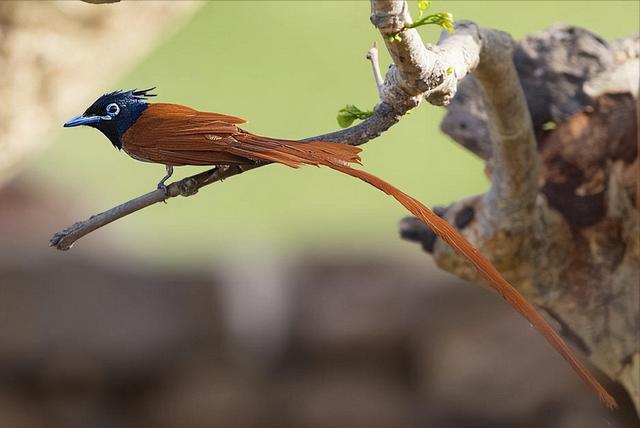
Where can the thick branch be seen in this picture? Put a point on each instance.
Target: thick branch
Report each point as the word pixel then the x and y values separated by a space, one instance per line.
pixel 431 72
pixel 514 182
pixel 509 205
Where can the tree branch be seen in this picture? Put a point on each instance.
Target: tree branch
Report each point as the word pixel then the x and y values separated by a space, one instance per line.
pixel 514 183
pixel 418 71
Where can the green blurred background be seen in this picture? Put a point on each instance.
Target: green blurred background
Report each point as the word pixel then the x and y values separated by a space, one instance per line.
pixel 287 67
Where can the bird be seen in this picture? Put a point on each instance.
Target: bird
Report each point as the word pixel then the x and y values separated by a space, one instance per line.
pixel 176 135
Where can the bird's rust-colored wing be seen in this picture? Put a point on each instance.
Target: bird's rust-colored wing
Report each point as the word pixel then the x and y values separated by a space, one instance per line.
pixel 176 135
pixel 172 134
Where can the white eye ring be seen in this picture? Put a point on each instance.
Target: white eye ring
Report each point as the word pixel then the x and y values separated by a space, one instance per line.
pixel 113 109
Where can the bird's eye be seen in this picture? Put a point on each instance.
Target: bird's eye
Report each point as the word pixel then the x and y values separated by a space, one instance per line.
pixel 113 109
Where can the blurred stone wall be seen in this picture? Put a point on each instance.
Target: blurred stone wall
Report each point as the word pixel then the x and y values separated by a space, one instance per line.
pixel 95 339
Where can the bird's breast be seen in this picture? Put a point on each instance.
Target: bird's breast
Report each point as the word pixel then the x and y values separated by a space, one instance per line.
pixel 135 156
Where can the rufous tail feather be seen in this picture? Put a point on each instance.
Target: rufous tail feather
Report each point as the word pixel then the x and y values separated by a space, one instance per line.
pixel 451 236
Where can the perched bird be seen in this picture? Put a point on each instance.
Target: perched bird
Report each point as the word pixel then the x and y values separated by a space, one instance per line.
pixel 175 135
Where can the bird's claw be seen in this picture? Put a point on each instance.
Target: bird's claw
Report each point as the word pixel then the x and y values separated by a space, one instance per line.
pixel 165 190
pixel 163 186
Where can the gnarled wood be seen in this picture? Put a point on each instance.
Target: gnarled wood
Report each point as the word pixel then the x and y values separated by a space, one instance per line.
pixel 579 259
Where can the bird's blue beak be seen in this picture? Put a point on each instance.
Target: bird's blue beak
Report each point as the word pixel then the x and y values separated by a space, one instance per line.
pixel 82 120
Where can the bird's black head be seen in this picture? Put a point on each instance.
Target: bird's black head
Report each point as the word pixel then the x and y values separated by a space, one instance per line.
pixel 113 113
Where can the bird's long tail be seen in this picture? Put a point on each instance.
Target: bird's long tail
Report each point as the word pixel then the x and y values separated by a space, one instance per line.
pixel 451 236
pixel 337 157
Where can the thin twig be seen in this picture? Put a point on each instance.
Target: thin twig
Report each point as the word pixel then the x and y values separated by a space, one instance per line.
pixel 372 56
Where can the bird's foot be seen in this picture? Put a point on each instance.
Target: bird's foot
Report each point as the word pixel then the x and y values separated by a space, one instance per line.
pixel 163 186
pixel 165 190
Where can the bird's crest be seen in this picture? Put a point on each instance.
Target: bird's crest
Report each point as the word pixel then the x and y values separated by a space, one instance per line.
pixel 141 94
pixel 121 97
